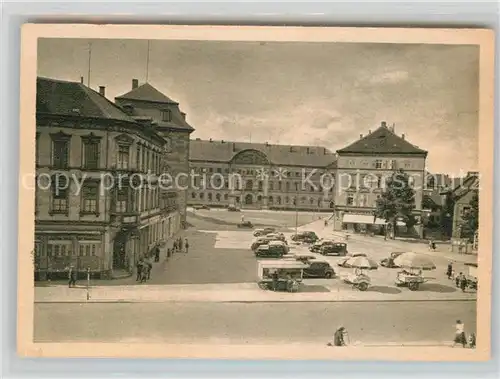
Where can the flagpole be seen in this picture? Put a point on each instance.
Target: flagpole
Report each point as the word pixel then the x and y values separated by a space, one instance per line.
pixel 147 63
pixel 90 57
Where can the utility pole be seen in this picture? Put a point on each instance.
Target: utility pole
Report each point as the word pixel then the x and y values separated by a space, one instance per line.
pixel 90 57
pixel 147 63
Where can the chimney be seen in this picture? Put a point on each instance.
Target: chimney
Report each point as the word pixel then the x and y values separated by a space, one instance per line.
pixel 308 152
pixel 210 139
pixel 384 124
pixel 324 151
pixel 222 141
pixel 183 115
pixel 369 131
pixel 135 83
pixel 393 126
pixel 234 147
pixel 267 143
pixel 102 91
pixel 403 136
pixel 81 79
pixel 360 136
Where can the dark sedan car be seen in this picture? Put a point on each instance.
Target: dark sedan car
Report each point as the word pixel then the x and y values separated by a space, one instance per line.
pixel 319 269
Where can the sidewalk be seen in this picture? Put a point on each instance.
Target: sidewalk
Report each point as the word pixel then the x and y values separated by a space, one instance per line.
pixel 228 293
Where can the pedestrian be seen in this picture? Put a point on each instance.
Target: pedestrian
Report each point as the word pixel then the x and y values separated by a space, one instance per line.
pixel 458 279
pixel 180 243
pixel 144 272
pixel 472 340
pixel 449 270
pixel 326 222
pixel 338 337
pixel 138 266
pixel 157 254
pixel 150 267
pixel 72 276
pixel 168 253
pixel 175 246
pixel 186 244
pixel 275 280
pixel 459 334
pixel 463 283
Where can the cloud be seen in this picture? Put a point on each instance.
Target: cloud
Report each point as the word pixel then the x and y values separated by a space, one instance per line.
pixel 390 77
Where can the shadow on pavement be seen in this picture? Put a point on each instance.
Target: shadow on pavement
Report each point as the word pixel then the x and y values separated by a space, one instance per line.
pixel 313 288
pixel 384 289
pixel 436 287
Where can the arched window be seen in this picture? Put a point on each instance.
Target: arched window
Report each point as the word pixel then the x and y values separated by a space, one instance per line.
pixel 278 200
pixel 217 196
pixel 311 201
pixel 193 195
pixel 270 199
pixel 249 185
pixel 259 198
pixel 287 200
pixel 260 185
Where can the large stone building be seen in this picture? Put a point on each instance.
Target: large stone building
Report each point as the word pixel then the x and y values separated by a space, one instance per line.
pixel 97 203
pixel 361 170
pixel 260 175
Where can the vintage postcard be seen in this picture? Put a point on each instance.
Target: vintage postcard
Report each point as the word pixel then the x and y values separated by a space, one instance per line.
pixel 255 192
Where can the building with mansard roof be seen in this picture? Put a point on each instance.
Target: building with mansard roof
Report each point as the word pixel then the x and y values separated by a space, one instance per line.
pixel 95 205
pixel 261 175
pixel 361 170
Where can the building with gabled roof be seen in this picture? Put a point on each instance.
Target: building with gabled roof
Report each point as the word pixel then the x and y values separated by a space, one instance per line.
pixel 362 168
pixel 93 209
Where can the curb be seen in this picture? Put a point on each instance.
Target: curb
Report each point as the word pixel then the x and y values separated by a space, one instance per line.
pixel 119 301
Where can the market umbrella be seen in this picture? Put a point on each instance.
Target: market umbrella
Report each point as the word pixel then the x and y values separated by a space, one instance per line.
pixel 414 261
pixel 363 263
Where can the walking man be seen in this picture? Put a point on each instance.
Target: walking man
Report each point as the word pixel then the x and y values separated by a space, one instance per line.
pixel 138 266
pixel 72 276
pixel 186 244
pixel 338 337
pixel 449 270
pixel 175 246
pixel 180 244
pixel 459 334
pixel 157 254
pixel 150 267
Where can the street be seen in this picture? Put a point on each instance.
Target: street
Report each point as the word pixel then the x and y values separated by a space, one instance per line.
pixel 367 323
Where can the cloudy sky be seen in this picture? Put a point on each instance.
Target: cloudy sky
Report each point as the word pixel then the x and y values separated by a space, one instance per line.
pixel 296 93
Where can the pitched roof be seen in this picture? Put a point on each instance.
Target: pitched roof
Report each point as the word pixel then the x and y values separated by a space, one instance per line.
pixel 59 97
pixel 286 155
pixel 146 92
pixel 382 141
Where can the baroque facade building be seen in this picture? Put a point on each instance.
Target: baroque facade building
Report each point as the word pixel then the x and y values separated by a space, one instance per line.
pixel 98 205
pixel 361 171
pixel 260 175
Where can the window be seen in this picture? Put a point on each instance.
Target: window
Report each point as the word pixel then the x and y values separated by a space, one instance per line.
pixel 123 157
pixel 217 197
pixel 60 192
pixel 287 200
pixel 219 170
pixel 249 185
pixel 209 197
pixel 378 163
pixel 392 164
pixel 138 157
pixel 143 160
pixel 121 199
pixel 210 169
pixel 278 200
pixel 311 201
pixel 296 186
pixel 202 195
pixel 260 185
pixel 279 186
pixel 59 248
pixel 60 150
pixel 287 185
pixel 362 201
pixel 193 195
pixel 37 147
pixel 270 199
pixel 226 196
pixel 379 182
pixel 166 115
pixel 350 200
pixel 90 198
pixel 465 211
pixel 91 147
pixel 407 165
pixel 148 158
pixel 89 248
pixel 271 186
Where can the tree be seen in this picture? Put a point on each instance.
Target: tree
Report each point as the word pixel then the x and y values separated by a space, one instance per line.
pixel 447 214
pixel 397 201
pixel 471 218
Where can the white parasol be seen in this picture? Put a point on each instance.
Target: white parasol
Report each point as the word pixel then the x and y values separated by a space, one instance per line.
pixel 414 261
pixel 363 263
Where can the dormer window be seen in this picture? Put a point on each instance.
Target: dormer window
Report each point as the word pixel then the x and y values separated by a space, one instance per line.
pixel 166 115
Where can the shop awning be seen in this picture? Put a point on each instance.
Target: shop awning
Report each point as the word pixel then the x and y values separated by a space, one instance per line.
pixel 365 219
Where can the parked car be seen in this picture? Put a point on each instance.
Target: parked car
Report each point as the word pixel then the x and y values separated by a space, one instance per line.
pixel 319 269
pixel 245 224
pixel 316 246
pixel 278 236
pixel 232 208
pixel 199 206
pixel 389 261
pixel 306 236
pixel 259 242
pixel 343 262
pixel 263 231
pixel 337 248
pixel 273 249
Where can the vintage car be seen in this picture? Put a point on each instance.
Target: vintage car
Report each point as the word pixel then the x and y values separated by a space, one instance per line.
pixel 274 249
pixel 278 236
pixel 245 224
pixel 263 231
pixel 319 269
pixel 336 248
pixel 232 208
pixel 316 246
pixel 471 275
pixel 259 242
pixel 199 206
pixel 343 262
pixel 280 275
pixel 389 261
pixel 306 236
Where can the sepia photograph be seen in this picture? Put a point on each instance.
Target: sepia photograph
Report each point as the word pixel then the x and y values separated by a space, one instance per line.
pixel 256 192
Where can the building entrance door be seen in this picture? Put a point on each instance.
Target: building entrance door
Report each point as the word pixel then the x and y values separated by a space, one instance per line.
pixel 119 253
pixel 248 199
